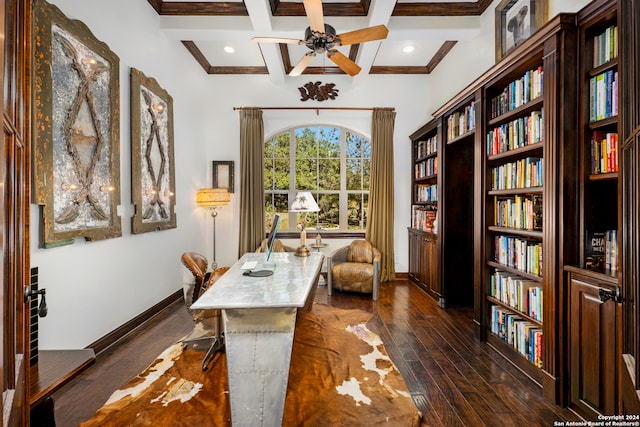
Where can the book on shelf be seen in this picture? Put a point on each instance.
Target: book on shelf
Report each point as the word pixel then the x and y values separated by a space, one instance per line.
pixel 518 92
pixel 524 336
pixel 518 253
pixel 604 152
pixel 603 96
pixel 605 46
pixel 523 173
pixel 426 168
pixel 601 250
pixel 424 219
pixel 427 193
pixel 427 147
pixel 519 212
pixel 461 122
pixel 517 133
pixel 522 294
pixel 594 250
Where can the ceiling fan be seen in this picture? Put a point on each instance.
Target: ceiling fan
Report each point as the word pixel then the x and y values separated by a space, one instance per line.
pixel 322 38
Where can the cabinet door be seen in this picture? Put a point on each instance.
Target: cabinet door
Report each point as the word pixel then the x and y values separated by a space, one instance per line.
pixel 414 257
pixel 592 350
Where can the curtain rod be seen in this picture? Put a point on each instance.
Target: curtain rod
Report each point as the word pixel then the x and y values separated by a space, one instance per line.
pixel 316 108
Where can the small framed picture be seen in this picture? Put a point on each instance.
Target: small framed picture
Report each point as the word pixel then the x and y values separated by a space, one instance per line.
pixel 516 20
pixel 223 175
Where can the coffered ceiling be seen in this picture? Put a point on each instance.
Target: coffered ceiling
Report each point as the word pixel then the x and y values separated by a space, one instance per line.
pixel 207 28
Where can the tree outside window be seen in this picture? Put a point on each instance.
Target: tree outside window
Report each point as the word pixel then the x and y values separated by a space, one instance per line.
pixel 333 163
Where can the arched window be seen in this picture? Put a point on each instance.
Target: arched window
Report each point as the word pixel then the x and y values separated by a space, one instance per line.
pixel 333 163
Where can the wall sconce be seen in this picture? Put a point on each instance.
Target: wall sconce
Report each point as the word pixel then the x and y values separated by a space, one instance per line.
pixel 304 202
pixel 213 198
pixel 107 188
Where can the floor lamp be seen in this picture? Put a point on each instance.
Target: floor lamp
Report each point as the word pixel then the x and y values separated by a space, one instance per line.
pixel 304 202
pixel 213 198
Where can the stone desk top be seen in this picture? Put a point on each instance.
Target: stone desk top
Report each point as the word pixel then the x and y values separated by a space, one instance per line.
pixel 289 286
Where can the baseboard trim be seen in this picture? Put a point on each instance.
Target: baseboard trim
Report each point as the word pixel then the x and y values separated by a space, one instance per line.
pixel 117 334
pixel 402 276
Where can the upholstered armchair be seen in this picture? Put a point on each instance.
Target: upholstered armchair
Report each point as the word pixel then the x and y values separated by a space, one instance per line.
pixel 206 322
pixel 355 268
pixel 278 246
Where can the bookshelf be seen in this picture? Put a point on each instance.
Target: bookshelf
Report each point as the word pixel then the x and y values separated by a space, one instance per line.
pixel 424 244
pixel 514 197
pixel 593 277
pixel 527 175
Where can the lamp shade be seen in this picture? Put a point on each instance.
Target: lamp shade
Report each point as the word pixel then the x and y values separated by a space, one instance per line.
pixel 304 202
pixel 208 197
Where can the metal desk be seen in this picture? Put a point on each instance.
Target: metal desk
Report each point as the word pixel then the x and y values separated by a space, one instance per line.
pixel 259 316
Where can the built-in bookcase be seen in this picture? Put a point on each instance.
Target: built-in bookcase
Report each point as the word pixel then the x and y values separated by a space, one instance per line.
pixel 514 215
pixel 592 279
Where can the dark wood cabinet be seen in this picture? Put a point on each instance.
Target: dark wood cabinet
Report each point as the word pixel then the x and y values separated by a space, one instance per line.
pixel 593 320
pixel 423 262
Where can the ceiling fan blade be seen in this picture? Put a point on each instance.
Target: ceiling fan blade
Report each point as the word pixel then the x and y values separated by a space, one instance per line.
pixel 313 9
pixel 276 40
pixel 302 64
pixel 378 32
pixel 345 64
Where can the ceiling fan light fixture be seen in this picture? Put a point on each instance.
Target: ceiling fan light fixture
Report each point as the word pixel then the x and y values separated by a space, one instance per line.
pixel 320 42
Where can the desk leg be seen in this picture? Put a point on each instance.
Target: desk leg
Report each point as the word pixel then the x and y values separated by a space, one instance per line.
pixel 258 347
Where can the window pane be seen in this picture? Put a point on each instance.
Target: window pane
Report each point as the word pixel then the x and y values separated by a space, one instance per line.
pixel 306 143
pixel 366 174
pixel 357 146
pixel 281 173
pixel 329 215
pixel 357 211
pixel 307 174
pixel 328 142
pixel 277 147
pixel 354 174
pixel 329 174
pixel 273 204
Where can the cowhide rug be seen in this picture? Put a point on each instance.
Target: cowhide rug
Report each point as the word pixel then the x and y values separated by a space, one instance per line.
pixel 340 375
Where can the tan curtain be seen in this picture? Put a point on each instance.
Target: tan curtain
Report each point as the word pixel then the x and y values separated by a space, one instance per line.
pixel 380 216
pixel 251 180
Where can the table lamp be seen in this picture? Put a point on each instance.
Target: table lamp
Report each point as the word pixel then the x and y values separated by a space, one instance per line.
pixel 213 198
pixel 304 202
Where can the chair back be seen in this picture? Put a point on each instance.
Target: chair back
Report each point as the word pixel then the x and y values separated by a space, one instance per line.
pixel 197 265
pixel 360 251
pixel 278 246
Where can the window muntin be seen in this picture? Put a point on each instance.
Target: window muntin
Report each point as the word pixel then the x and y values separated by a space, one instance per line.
pixel 333 163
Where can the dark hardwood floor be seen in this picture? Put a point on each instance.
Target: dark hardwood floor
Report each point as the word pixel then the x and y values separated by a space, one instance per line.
pixel 455 380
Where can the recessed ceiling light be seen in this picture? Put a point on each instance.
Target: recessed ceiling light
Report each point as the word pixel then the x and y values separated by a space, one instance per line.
pixel 229 49
pixel 408 49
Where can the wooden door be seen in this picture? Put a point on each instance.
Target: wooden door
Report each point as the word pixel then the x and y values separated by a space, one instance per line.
pixel 593 324
pixel 14 209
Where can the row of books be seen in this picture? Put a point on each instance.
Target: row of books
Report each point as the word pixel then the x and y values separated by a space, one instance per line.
pixel 604 152
pixel 519 212
pixel 524 173
pixel 521 254
pixel 427 147
pixel 427 193
pixel 601 250
pixel 603 96
pixel 461 122
pixel 426 168
pixel 424 219
pixel 523 335
pixel 519 92
pixel 517 133
pixel 605 46
pixel 521 294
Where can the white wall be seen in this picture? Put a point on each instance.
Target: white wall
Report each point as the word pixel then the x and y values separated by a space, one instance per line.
pixel 94 287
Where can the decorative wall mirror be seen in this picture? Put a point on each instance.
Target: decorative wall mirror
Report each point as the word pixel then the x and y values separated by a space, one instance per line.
pixel 152 160
pixel 76 149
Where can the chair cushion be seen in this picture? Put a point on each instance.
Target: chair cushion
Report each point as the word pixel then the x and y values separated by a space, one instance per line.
pixel 360 251
pixel 353 277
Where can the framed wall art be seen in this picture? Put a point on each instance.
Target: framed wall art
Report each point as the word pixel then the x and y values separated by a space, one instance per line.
pixel 152 160
pixel 76 148
pixel 223 175
pixel 516 20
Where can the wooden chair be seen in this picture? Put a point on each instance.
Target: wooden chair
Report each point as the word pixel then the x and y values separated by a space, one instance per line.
pixel 207 322
pixel 355 268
